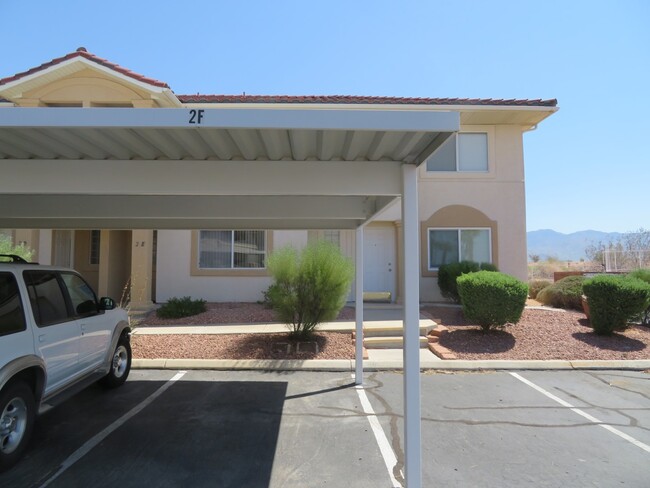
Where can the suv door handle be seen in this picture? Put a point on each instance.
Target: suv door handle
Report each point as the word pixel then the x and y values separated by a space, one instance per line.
pixel 83 329
pixel 41 338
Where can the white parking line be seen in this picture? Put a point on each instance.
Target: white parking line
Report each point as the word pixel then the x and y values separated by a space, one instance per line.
pixel 390 460
pixel 591 418
pixel 96 439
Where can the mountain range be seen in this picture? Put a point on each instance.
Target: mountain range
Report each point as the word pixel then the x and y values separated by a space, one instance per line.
pixel 548 243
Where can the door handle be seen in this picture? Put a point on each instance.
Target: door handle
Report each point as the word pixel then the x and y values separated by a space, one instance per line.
pixel 83 329
pixel 41 338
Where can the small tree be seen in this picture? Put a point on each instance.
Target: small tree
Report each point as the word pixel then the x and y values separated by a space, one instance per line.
pixel 7 247
pixel 309 287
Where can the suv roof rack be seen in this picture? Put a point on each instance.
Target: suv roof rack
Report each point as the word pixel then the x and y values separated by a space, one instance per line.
pixel 14 258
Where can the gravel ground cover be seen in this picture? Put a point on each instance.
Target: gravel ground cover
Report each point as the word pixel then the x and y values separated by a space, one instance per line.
pixel 331 345
pixel 540 334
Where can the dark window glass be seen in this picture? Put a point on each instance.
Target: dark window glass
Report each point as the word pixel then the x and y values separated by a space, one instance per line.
pixel 94 246
pixel 12 317
pixel 46 297
pixel 82 296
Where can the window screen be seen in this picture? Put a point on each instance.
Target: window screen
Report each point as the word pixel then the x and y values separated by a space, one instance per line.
pixel 227 249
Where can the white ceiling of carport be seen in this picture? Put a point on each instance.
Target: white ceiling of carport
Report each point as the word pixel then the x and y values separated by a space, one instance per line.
pixel 239 169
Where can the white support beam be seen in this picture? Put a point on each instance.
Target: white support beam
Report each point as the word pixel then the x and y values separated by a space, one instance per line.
pixel 358 307
pixel 234 118
pixel 145 177
pixel 410 249
pixel 231 207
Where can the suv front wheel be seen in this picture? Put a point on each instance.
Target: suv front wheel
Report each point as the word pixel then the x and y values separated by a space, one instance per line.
pixel 17 411
pixel 120 364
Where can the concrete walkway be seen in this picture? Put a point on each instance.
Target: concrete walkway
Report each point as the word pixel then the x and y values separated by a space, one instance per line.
pixel 378 359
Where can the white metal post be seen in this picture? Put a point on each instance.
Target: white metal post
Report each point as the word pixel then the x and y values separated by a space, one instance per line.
pixel 358 306
pixel 412 435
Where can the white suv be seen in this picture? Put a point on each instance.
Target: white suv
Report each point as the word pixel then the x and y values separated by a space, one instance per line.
pixel 56 338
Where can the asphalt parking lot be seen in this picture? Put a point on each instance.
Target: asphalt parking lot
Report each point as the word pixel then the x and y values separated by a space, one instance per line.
pixel 304 429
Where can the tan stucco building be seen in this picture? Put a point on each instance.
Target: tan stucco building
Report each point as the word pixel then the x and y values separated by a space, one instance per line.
pixel 471 190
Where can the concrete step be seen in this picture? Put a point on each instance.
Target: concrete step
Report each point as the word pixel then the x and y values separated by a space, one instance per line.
pixel 389 342
pixel 387 329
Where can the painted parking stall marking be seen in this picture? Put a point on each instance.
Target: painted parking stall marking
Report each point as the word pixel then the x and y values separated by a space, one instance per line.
pixel 96 439
pixel 390 460
pixel 584 414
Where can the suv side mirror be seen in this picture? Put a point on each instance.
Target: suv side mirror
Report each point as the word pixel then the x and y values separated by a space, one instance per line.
pixel 106 303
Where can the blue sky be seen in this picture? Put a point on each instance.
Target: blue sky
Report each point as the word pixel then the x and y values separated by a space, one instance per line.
pixel 587 166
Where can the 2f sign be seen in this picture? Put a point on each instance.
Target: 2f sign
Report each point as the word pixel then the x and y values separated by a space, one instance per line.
pixel 196 116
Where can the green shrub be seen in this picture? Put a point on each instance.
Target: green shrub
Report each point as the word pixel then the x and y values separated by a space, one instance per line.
pixel 448 273
pixel 643 275
pixel 310 287
pixel 491 298
pixel 535 286
pixel 7 247
pixel 614 300
pixel 175 308
pixel 565 293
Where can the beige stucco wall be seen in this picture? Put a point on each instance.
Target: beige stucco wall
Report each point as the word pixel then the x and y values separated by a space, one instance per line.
pixel 499 194
pixel 82 258
pixel 173 278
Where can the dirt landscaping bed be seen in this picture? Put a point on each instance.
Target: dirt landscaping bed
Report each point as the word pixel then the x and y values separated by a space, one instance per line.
pixel 541 334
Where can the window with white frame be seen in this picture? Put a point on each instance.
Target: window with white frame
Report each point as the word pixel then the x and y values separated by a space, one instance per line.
pixel 333 236
pixel 463 152
pixel 464 244
pixel 232 249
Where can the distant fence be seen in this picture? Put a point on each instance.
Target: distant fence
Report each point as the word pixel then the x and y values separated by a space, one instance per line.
pixel 625 260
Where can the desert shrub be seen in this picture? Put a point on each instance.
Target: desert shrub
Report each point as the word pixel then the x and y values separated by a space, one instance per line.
pixel 491 298
pixel 565 293
pixel 310 286
pixel 535 286
pixel 175 308
pixel 643 275
pixel 614 300
pixel 448 273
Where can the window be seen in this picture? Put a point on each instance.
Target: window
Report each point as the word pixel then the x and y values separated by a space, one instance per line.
pixel 232 249
pixel 464 152
pixel 46 297
pixel 452 245
pixel 82 296
pixel 12 318
pixel 93 253
pixel 333 236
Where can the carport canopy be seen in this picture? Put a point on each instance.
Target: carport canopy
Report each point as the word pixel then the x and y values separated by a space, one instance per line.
pixel 244 168
pixel 189 168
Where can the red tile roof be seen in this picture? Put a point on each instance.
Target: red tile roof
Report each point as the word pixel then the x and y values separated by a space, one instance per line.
pixel 309 99
pixel 342 99
pixel 81 52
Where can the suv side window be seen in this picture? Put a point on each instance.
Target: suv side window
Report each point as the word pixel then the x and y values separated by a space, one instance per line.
pixel 47 298
pixel 12 318
pixel 82 296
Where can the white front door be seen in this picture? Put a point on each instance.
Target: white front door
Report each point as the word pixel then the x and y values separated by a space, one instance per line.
pixel 379 256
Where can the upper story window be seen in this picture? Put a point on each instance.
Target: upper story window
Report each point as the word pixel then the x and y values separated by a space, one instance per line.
pixel 232 249
pixel 463 152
